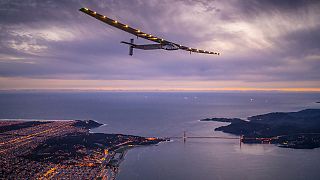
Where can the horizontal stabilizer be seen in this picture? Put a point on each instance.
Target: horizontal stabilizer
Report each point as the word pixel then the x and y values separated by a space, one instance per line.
pixel 127 43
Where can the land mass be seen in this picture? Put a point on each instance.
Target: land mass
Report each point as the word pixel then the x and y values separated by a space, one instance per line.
pixel 88 124
pixel 299 130
pixel 62 149
pixel 231 120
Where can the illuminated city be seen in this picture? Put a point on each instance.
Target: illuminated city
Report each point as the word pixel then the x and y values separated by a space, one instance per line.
pixel 73 153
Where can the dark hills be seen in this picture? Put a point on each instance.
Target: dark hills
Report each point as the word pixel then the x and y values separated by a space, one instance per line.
pixel 87 124
pixel 274 124
pixel 299 130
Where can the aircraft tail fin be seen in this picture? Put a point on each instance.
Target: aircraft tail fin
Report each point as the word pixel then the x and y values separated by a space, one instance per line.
pixel 131 46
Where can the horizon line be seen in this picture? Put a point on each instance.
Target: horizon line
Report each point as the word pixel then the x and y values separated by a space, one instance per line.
pixel 315 90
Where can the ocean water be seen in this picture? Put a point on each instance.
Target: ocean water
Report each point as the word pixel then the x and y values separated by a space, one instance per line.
pixel 167 114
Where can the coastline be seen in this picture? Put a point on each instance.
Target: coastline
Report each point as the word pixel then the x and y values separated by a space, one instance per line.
pixel 296 130
pixel 54 145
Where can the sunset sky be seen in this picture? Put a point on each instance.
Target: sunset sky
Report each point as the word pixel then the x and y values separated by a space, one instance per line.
pixel 265 45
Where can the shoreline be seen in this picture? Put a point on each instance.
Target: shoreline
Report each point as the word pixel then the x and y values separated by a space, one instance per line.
pixel 296 130
pixel 54 145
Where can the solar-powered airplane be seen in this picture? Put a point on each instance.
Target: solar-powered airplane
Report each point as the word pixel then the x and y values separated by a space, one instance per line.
pixel 161 43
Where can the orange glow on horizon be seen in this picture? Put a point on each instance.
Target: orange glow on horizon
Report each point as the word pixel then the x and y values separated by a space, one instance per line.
pixel 152 85
pixel 170 89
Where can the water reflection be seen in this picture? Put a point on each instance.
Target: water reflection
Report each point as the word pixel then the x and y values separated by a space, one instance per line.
pixel 255 149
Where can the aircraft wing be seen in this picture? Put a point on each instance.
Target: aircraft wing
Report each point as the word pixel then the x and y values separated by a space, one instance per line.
pixel 139 33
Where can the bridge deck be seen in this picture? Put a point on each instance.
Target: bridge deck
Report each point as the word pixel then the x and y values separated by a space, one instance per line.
pixel 204 137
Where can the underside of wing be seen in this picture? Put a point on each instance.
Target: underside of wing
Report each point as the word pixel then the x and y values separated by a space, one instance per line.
pixel 138 32
pixel 198 50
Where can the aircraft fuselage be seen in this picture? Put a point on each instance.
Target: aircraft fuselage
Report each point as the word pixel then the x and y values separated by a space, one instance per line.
pixel 170 47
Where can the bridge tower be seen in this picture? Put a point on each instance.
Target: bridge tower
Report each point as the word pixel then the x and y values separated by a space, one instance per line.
pixel 241 138
pixel 184 136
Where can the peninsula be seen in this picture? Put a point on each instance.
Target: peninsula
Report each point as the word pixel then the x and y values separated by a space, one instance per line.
pixel 299 130
pixel 62 149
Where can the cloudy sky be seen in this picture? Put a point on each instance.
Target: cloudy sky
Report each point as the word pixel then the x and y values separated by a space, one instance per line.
pixel 265 45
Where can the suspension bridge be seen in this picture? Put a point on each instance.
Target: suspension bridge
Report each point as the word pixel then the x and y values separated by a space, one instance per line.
pixel 243 139
pixel 185 137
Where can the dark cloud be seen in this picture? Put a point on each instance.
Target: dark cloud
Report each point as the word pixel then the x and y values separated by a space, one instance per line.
pixel 253 7
pixel 304 41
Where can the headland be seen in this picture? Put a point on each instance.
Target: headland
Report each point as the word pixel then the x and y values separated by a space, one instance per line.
pixel 62 149
pixel 299 130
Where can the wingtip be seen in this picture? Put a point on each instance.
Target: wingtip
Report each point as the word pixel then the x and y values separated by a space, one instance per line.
pixel 83 9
